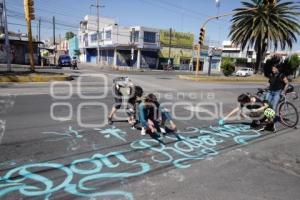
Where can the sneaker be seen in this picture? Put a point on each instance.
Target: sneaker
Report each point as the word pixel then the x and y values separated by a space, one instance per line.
pixel 257 127
pixel 155 135
pixel 143 131
pixel 163 131
pixel 271 127
pixel 110 122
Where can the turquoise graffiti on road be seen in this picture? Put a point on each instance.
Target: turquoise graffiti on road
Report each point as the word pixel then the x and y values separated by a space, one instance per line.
pixel 32 184
pixel 70 133
pixel 192 144
pixel 113 132
pixel 197 147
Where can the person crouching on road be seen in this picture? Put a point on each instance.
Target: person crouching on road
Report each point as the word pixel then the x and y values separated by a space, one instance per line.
pixel 259 111
pixel 134 100
pixel 118 84
pixel 153 116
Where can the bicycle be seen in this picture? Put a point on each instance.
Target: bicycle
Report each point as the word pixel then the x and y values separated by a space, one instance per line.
pixel 288 113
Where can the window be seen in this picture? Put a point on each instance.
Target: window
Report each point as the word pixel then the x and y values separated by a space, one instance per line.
pixel 149 37
pixel 100 35
pixel 135 37
pixel 94 37
pixel 108 35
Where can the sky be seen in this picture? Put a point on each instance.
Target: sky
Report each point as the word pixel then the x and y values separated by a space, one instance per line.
pixel 181 15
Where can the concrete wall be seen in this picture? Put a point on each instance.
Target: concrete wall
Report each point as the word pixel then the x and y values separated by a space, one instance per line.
pixel 103 22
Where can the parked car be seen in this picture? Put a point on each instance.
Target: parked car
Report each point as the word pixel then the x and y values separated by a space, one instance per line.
pixel 64 61
pixel 244 72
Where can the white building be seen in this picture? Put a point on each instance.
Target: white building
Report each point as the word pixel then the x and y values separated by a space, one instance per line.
pixel 233 51
pixel 88 40
pixel 119 46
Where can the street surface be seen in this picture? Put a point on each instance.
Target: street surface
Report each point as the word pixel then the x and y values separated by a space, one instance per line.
pixel 55 144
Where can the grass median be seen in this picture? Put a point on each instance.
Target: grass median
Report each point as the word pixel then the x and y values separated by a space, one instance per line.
pixel 25 77
pixel 249 79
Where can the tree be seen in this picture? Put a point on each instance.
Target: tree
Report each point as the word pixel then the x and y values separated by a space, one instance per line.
pixel 290 65
pixel 77 52
pixel 295 63
pixel 262 24
pixel 227 66
pixel 69 35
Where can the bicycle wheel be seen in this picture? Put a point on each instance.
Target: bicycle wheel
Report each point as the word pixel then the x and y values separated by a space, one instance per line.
pixel 288 114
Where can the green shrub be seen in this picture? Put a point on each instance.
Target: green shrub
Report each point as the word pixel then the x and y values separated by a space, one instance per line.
pixel 291 65
pixel 227 66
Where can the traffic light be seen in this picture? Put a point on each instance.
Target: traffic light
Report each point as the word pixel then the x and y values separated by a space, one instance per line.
pixel 202 36
pixel 29 9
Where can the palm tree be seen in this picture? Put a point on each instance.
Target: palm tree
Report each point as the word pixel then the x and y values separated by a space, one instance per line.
pixel 265 24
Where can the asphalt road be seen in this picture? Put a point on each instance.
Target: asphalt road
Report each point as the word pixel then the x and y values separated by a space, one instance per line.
pixel 69 154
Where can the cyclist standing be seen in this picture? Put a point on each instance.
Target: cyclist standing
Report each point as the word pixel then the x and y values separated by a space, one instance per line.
pixel 278 85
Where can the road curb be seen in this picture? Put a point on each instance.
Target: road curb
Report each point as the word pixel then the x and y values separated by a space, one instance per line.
pixel 225 79
pixel 33 78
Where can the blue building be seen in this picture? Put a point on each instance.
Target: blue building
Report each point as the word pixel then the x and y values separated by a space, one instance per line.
pixel 73 45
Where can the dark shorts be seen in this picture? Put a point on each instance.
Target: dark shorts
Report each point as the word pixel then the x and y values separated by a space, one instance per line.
pixel 118 103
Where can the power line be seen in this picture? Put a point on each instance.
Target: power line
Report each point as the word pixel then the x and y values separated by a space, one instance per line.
pixel 72 26
pixel 17 24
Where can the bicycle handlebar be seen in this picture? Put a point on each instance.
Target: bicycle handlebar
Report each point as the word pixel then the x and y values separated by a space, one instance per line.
pixel 261 91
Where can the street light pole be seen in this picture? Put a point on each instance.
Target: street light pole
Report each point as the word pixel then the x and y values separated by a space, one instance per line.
pixel 211 54
pixel 203 26
pixel 7 45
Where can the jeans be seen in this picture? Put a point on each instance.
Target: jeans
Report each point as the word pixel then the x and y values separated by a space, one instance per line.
pixel 274 97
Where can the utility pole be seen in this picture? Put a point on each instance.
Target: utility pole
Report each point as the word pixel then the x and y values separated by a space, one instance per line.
pixel 54 42
pixel 7 45
pixel 170 43
pixel 98 27
pixel 132 42
pixel 29 14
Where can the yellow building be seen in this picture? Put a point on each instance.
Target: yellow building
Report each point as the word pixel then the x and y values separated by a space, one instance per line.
pixel 178 46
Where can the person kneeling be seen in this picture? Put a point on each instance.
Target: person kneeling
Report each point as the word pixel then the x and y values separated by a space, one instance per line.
pixel 153 117
pixel 259 111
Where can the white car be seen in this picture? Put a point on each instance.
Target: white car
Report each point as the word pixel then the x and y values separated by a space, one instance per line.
pixel 244 72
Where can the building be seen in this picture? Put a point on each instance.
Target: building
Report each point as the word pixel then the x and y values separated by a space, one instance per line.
pixel 19 49
pixel 88 39
pixel 135 46
pixel 176 46
pixel 233 51
pixel 73 46
pixel 210 56
pixel 62 47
